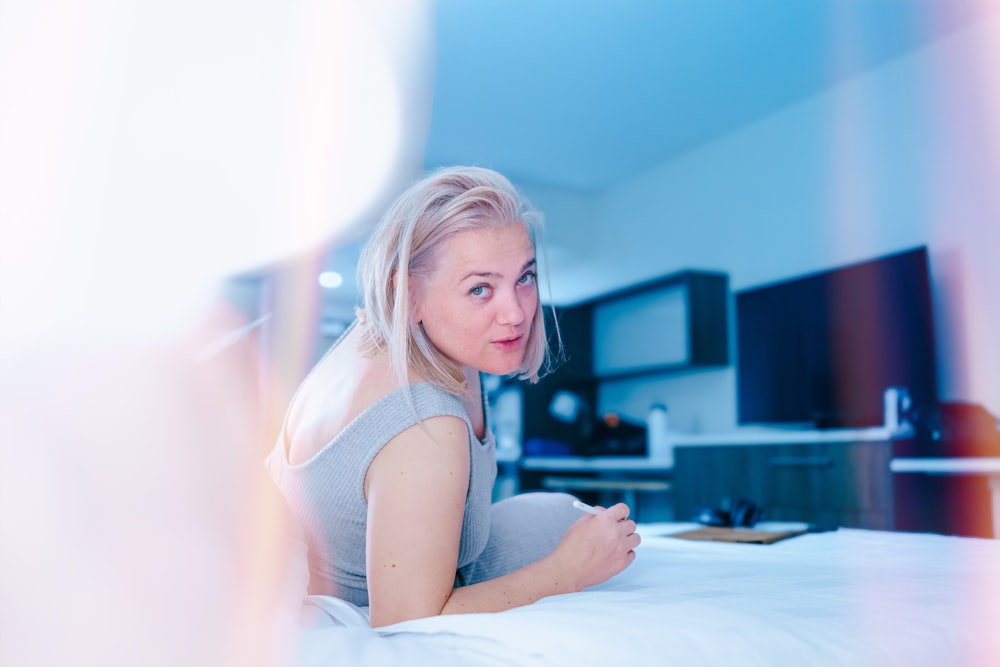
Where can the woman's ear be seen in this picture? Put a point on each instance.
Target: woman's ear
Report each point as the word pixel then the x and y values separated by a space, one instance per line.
pixel 413 299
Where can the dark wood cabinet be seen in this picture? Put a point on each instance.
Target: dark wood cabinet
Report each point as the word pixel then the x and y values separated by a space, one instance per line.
pixel 675 323
pixel 827 484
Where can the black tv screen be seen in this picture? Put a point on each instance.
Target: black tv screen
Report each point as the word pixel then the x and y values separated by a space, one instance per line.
pixel 821 349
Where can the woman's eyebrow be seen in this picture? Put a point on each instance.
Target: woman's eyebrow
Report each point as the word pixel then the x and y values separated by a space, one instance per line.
pixel 492 274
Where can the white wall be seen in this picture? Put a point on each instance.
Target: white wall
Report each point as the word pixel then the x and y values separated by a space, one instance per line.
pixel 566 263
pixel 906 155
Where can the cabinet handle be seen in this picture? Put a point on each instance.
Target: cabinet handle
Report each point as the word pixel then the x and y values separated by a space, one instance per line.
pixel 800 461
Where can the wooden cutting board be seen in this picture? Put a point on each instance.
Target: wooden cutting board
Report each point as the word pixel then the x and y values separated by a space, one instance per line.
pixel 742 535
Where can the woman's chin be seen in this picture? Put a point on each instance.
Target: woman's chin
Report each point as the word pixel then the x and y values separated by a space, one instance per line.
pixel 502 367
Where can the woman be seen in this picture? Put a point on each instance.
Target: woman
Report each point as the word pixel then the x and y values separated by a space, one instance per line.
pixel 386 458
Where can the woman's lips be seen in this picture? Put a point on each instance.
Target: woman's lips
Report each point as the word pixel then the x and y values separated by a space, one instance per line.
pixel 509 343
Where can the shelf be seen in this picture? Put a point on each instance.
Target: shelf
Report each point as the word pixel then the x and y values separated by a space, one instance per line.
pixel 594 464
pixel 766 436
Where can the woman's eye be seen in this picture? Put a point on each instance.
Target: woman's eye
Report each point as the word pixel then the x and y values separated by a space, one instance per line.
pixel 479 290
pixel 527 278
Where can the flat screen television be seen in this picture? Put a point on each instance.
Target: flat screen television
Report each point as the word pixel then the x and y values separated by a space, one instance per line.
pixel 820 350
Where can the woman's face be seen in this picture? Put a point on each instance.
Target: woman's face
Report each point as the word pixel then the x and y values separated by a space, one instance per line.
pixel 478 303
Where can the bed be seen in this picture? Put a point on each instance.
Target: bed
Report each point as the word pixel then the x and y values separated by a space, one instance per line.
pixel 845 597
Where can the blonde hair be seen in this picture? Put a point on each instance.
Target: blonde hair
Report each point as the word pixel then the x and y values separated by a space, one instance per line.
pixel 404 245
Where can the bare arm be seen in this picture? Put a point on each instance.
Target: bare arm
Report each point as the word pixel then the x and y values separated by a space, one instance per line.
pixel 416 488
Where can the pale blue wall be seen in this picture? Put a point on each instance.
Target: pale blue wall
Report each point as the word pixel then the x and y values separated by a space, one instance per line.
pixel 883 162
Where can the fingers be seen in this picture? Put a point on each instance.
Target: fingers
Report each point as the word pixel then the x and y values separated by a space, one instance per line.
pixel 620 511
pixel 633 540
pixel 626 526
pixel 630 539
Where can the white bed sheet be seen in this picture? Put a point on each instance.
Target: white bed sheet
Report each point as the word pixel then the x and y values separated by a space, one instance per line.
pixel 848 597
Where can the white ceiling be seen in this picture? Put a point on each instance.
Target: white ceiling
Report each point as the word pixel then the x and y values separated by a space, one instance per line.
pixel 580 95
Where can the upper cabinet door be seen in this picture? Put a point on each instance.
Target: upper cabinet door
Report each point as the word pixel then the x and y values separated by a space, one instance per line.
pixel 674 323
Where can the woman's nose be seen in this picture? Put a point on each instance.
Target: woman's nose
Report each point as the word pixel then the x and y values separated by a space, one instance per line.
pixel 511 311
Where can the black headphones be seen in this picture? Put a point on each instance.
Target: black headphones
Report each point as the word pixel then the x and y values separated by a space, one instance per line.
pixel 744 515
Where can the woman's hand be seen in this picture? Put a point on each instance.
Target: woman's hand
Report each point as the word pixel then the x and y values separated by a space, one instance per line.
pixel 597 547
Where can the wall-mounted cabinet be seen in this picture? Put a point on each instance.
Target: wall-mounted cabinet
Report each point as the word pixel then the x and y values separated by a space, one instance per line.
pixel 673 323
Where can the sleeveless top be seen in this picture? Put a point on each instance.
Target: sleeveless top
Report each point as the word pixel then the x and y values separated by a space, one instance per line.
pixel 326 493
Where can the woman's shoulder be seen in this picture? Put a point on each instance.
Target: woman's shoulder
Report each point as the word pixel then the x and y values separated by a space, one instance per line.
pixel 344 384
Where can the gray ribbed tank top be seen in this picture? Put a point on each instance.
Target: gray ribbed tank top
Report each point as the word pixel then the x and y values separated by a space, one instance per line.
pixel 326 493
